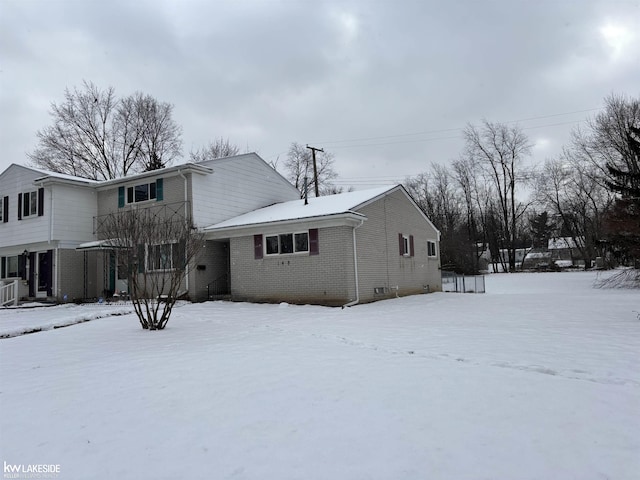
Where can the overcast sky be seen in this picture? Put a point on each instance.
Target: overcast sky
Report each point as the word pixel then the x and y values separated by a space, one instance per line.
pixel 385 85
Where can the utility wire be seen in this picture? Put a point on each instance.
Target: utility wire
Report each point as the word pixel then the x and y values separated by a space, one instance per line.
pixel 459 129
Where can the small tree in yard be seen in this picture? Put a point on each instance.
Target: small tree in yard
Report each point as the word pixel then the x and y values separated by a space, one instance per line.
pixel 155 247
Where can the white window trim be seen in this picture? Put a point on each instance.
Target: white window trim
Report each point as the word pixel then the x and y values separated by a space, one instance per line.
pixel 30 194
pixel 146 257
pixel 6 263
pixel 406 245
pixel 279 253
pixel 435 249
pixel 148 184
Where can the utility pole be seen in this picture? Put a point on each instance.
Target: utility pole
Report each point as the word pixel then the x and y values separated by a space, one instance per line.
pixel 315 168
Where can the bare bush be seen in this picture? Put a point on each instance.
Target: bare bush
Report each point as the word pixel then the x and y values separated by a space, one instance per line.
pixel 155 247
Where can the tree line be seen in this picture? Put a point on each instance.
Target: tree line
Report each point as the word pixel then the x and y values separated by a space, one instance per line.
pixel 590 192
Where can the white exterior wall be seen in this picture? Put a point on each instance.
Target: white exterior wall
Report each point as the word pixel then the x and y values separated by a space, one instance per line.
pixel 17 179
pixel 73 211
pixel 238 185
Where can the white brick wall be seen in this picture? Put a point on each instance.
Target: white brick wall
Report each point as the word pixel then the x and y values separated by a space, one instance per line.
pixel 326 278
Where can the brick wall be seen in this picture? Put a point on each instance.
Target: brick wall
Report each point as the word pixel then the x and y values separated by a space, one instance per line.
pixel 74 269
pixel 379 261
pixel 215 259
pixel 326 278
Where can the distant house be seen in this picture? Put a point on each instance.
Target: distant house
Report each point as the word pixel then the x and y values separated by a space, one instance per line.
pixel 565 251
pixel 262 243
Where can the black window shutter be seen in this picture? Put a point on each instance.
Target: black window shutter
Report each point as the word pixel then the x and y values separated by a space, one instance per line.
pixel 40 201
pixel 411 251
pixel 19 206
pixel 257 247
pixel 22 271
pixel 401 243
pixel 5 214
pixel 314 244
pixel 3 267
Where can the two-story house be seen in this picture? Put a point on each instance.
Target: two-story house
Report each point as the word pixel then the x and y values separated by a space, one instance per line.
pixel 44 216
pixel 261 241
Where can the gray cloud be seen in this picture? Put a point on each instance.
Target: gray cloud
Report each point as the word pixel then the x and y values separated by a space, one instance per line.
pixel 268 73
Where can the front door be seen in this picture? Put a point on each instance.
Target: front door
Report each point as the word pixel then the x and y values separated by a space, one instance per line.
pixel 43 273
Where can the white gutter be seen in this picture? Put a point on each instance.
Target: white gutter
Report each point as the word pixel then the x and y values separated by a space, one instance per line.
pixel 186 199
pixel 355 267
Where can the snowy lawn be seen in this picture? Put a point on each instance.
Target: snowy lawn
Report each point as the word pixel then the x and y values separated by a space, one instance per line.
pixel 537 379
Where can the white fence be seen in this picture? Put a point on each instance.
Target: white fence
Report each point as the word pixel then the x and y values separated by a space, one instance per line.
pixel 453 282
pixel 9 293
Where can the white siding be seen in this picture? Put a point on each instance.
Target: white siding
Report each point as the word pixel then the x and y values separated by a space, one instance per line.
pixel 73 212
pixel 238 185
pixel 17 179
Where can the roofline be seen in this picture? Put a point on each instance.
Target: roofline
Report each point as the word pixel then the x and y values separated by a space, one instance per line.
pixel 336 219
pixel 191 167
pixel 401 188
pixel 52 175
pixel 255 154
pixel 48 180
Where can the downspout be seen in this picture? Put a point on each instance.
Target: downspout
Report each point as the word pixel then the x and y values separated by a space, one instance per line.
pixel 355 267
pixel 186 216
pixel 51 216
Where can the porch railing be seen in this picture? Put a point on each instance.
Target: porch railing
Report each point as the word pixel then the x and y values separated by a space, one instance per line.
pixel 9 293
pixel 220 286
pixel 164 212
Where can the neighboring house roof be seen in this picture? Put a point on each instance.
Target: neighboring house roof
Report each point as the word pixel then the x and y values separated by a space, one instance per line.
pixel 330 207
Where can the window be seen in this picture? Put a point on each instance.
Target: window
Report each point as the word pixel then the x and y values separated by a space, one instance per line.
pixel 4 209
pixel 285 243
pixel 163 257
pixel 406 245
pixel 141 193
pixel 11 267
pixel 29 204
pixel 431 249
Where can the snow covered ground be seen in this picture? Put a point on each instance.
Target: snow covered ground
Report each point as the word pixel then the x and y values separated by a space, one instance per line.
pixel 539 378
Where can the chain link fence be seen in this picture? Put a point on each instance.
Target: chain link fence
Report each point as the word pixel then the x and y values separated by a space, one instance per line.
pixel 454 282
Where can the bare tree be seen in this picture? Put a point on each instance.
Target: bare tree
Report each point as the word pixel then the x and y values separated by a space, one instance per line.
pixel 98 136
pixel 155 246
pixel 476 197
pixel 219 149
pixel 607 142
pixel 501 150
pixel 437 194
pixel 299 165
pixel 569 188
pixel 611 145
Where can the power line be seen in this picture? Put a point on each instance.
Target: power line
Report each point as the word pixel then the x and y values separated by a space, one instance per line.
pixel 459 129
